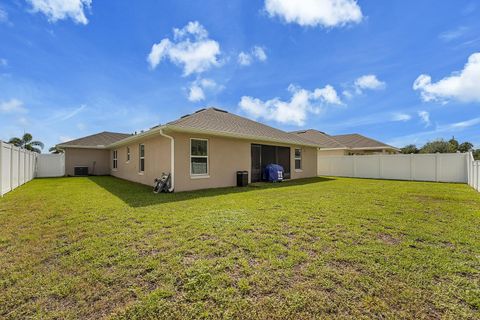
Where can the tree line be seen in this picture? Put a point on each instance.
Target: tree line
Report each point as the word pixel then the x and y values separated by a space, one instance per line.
pixel 443 146
pixel 26 142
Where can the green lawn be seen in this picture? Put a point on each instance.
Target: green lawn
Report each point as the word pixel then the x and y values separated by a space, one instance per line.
pixel 317 248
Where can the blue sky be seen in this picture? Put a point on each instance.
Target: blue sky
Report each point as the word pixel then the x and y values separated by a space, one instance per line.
pixel 399 71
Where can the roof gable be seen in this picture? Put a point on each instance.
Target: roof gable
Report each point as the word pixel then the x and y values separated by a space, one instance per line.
pixel 97 140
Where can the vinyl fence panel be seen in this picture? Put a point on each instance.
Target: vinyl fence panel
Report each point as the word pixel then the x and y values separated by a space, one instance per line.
pixel 17 166
pixel 453 167
pixel 51 165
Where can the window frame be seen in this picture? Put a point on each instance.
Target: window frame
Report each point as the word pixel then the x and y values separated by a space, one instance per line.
pixel 115 160
pixel 140 158
pixel 299 158
pixel 128 154
pixel 200 175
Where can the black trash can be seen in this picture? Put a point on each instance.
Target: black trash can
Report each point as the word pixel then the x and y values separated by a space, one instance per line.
pixel 242 178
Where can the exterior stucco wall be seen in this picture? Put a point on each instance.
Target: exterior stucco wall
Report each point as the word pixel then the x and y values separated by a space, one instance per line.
pixel 309 163
pixel 157 160
pixel 226 156
pixel 96 160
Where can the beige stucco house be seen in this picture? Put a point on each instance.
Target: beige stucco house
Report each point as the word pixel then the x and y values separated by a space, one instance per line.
pixel 201 150
pixel 345 144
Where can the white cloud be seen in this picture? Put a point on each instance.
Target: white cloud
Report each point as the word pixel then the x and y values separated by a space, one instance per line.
pixel 62 9
pixel 453 34
pixel 244 59
pixel 347 94
pixel 295 111
pixel 425 117
pixel 23 121
pixel 197 89
pixel 63 139
pixel 196 93
pixel 3 16
pixel 12 106
pixel 446 129
pixel 256 53
pixel 401 117
pixel 463 86
pixel 326 13
pixel 327 94
pixel 72 113
pixel 463 124
pixel 368 82
pixel 191 48
pixel 259 53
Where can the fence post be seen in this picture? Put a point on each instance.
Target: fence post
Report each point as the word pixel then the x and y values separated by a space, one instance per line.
pixel 469 169
pixel 18 173
pixel 437 167
pixel 412 167
pixel 380 167
pixel 476 175
pixel 354 166
pixel 1 169
pixel 11 167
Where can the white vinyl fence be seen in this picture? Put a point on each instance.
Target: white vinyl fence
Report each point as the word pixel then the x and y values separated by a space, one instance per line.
pixel 17 166
pixel 473 172
pixel 445 167
pixel 50 165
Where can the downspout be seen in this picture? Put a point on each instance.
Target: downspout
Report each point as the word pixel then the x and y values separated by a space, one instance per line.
pixel 172 158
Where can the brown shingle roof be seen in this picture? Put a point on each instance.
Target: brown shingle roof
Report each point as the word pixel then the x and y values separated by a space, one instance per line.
pixel 216 121
pixel 96 140
pixel 321 138
pixel 356 140
pixel 343 141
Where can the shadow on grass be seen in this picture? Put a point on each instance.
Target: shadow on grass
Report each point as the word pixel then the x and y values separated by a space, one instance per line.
pixel 139 195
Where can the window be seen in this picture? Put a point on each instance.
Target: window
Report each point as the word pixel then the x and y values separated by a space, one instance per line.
pixel 115 159
pixel 141 154
pixel 199 157
pixel 298 159
pixel 128 154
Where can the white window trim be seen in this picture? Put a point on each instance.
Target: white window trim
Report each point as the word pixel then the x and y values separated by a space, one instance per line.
pixel 295 158
pixel 200 175
pixel 115 160
pixel 129 155
pixel 140 172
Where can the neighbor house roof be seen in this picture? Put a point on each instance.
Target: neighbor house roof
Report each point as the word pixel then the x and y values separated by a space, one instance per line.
pixel 219 122
pixel 321 138
pixel 98 140
pixel 356 141
pixel 344 141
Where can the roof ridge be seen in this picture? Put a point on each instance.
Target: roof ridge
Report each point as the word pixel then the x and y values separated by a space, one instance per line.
pixel 224 122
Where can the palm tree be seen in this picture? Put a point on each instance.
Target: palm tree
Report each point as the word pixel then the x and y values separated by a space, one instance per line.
pixel 55 150
pixel 26 142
